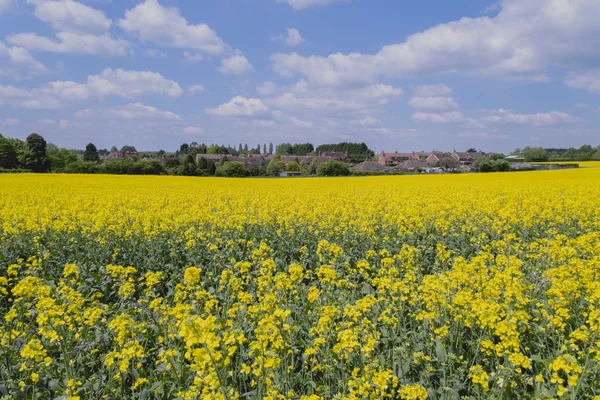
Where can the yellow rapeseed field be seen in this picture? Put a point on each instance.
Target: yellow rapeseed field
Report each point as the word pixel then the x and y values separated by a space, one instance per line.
pixel 481 286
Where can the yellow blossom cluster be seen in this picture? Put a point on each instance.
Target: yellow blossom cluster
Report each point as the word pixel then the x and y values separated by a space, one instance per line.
pixel 405 287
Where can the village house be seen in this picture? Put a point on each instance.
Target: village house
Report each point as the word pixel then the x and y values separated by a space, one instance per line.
pixel 391 159
pixel 368 166
pixel 437 156
pixel 411 166
pixel 420 155
pixel 336 155
pixel 468 158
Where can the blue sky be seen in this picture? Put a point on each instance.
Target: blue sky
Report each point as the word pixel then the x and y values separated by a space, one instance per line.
pixel 398 75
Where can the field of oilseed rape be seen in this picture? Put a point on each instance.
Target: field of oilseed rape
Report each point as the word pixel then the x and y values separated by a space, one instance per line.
pixel 481 286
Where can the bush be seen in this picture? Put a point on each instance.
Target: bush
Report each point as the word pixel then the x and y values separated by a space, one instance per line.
pixel 231 170
pixel 333 168
pixel 82 167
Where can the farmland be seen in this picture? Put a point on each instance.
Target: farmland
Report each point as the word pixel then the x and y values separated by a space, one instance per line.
pixel 410 287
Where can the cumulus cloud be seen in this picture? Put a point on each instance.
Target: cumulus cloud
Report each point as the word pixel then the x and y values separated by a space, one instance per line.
pixel 432 103
pixel 379 91
pixel 293 37
pixel 129 111
pixel 120 83
pixel 512 45
pixel 239 107
pixel 539 119
pixel 71 16
pixel 5 5
pixel 72 43
pixel 589 80
pixel 194 89
pixel 293 101
pixel 266 88
pixel 304 4
pixel 432 90
pixel 235 65
pixel 166 26
pixel 47 121
pixel 18 62
pixel 366 121
pixel 439 118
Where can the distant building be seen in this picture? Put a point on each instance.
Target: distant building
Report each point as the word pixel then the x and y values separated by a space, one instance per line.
pixel 515 158
pixel 411 166
pixel 468 158
pixel 390 159
pixel 437 156
pixel 290 174
pixel 369 166
pixel 420 155
pixel 336 155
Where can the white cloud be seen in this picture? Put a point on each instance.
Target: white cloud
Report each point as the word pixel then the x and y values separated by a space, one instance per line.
pixel 131 84
pixel 192 57
pixel 120 83
pixel 9 122
pixel 72 43
pixel 167 27
pixel 192 130
pixel 64 123
pixel 441 118
pixel 5 5
pixel 266 88
pixel 300 123
pixel 71 16
pixel 512 45
pixel 482 135
pixel 130 111
pixel 192 90
pixel 293 37
pixel 589 81
pixel 304 4
pixel 539 119
pixel 18 62
pixel 366 121
pixel 292 101
pixel 432 90
pixel 156 53
pixel 262 123
pixel 379 91
pixel 432 103
pixel 235 65
pixel 47 121
pixel 239 107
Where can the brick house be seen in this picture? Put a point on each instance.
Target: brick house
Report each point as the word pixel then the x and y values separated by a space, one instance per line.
pixel 467 158
pixel 394 158
pixel 437 156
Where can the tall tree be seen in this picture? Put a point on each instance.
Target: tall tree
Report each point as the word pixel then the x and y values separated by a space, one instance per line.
pixel 91 153
pixel 184 148
pixel 264 149
pixel 271 148
pixel 37 147
pixel 114 149
pixel 8 154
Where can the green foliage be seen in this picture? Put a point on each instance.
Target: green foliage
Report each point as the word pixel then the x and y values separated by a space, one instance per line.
pixel 60 159
pixel 333 168
pixel 8 154
pixel 357 152
pixel 448 163
pixel 298 149
pixel 275 166
pixel 128 149
pixel 38 161
pixel 231 170
pixel 486 164
pixel 293 166
pixel 91 153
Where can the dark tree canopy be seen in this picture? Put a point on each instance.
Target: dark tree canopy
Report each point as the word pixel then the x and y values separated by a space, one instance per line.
pixel 91 153
pixel 357 152
pixel 37 146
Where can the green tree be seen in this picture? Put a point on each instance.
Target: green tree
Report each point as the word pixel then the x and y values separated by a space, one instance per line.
pixel 333 168
pixel 293 166
pixel 535 154
pixel 114 149
pixel 449 163
pixel 184 148
pixel 231 170
pixel 37 146
pixel 8 154
pixel 91 153
pixel 128 149
pixel 275 166
pixel 61 159
pixel 270 148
